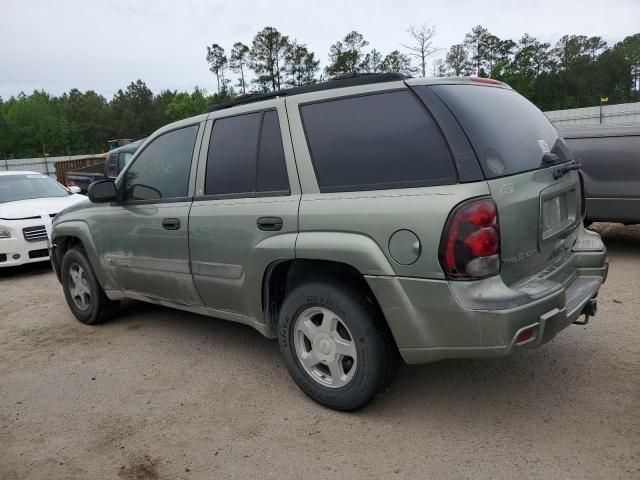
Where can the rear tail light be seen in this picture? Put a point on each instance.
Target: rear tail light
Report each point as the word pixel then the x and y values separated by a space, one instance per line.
pixel 470 244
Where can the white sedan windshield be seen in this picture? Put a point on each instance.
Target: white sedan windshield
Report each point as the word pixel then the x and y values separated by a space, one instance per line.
pixel 25 187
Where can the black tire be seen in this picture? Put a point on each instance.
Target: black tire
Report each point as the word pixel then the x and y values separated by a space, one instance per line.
pixel 99 308
pixel 377 355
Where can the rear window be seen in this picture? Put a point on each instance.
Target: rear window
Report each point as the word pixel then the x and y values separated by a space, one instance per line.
pixel 508 133
pixel 377 141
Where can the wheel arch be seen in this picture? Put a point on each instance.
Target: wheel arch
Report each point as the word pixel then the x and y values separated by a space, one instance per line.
pixel 71 234
pixel 282 276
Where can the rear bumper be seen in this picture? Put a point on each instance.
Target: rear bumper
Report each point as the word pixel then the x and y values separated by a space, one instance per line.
pixel 434 319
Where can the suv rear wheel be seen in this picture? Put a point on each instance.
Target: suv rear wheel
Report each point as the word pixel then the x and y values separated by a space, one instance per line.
pixel 84 295
pixel 335 344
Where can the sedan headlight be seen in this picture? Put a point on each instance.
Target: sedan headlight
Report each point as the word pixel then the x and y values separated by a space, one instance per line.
pixel 5 232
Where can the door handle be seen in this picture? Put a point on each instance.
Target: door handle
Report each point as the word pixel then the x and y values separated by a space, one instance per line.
pixel 171 224
pixel 269 224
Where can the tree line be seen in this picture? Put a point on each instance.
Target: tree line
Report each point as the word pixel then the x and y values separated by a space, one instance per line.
pixel 78 122
pixel 576 71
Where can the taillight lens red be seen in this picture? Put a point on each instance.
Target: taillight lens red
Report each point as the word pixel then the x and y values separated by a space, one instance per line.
pixel 482 243
pixel 470 243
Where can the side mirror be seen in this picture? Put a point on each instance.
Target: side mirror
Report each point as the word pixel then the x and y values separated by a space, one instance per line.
pixel 102 191
pixel 144 192
pixel 75 189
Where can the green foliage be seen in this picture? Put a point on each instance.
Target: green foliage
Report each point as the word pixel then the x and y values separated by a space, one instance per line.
pixel 132 112
pixel 267 57
pixel 185 105
pixel 458 60
pixel 397 62
pixel 301 65
pixel 82 122
pixel 35 124
pixel 347 55
pixel 575 72
pixel 372 62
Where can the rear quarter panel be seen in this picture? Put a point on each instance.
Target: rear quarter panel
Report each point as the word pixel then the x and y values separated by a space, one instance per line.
pixel 330 223
pixel 377 215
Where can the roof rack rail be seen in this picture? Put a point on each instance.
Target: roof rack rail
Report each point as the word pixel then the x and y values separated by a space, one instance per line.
pixel 349 80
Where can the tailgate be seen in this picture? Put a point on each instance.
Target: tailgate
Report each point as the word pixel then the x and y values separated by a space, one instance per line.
pixel 539 218
pixel 519 152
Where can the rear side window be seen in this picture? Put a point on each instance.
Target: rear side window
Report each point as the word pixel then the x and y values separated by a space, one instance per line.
pixel 272 171
pixel 246 157
pixel 508 133
pixel 378 141
pixel 162 169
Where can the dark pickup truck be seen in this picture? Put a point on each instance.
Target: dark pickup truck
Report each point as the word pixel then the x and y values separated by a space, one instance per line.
pixel 110 168
pixel 610 158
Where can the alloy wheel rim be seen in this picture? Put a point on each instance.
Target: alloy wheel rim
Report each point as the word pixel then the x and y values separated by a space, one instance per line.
pixel 79 287
pixel 325 347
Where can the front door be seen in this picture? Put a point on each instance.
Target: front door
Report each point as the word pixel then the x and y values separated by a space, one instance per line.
pixel 245 214
pixel 149 248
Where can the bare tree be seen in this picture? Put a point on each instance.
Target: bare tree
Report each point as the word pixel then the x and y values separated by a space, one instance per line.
pixel 423 44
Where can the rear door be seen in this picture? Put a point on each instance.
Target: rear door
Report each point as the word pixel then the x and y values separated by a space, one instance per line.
pixel 521 156
pixel 245 214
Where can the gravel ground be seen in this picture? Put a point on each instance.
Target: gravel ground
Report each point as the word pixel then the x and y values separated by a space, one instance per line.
pixel 161 394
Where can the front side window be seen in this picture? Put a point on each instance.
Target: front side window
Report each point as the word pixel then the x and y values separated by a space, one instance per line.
pixel 377 141
pixel 162 169
pixel 246 156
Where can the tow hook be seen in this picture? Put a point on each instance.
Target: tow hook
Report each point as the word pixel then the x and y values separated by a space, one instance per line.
pixel 589 310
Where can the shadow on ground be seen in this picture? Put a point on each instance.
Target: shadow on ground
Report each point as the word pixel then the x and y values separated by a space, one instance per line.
pixel 27 270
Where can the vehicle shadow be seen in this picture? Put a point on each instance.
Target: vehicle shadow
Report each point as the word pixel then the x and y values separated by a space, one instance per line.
pixel 27 270
pixel 498 390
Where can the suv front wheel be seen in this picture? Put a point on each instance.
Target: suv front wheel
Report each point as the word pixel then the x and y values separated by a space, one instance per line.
pixel 335 344
pixel 84 295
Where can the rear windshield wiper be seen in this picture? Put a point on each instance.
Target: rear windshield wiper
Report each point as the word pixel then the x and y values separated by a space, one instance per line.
pixel 573 165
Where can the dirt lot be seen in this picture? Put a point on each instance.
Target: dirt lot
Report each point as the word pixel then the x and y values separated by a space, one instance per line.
pixel 163 394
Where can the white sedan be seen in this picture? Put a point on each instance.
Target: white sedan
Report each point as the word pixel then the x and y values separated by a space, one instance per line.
pixel 28 202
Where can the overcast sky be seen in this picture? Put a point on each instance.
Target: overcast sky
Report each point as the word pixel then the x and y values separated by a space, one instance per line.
pixel 105 44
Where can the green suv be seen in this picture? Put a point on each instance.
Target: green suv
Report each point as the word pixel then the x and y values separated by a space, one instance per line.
pixel 360 222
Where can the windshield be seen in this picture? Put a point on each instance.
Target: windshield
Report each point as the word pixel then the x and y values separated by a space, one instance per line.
pixel 25 187
pixel 508 133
